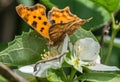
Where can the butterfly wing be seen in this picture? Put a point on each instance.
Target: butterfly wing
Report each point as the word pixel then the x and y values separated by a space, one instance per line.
pixel 63 22
pixel 58 31
pixel 35 16
pixel 56 15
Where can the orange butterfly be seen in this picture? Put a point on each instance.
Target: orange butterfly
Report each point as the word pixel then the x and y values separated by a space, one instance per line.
pixel 56 26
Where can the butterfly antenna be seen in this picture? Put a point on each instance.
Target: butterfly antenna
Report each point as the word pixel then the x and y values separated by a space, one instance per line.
pixel 89 19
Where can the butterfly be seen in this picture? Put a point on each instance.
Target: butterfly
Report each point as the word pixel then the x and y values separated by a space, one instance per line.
pixel 55 26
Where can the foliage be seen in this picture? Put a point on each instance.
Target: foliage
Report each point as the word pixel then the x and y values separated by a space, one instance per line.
pixel 27 48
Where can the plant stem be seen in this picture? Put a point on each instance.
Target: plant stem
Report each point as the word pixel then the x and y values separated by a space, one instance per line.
pixel 114 32
pixel 110 46
pixel 72 75
pixel 64 75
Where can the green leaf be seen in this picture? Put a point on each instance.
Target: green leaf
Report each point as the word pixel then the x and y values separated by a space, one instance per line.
pixel 55 76
pixel 25 49
pixel 3 79
pixel 109 5
pixel 100 77
pixel 47 3
pixel 86 10
pixel 26 2
pixel 81 33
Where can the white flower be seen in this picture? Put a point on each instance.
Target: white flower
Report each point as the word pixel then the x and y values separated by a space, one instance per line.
pixel 41 68
pixel 86 53
pixel 44 66
pixel 87 49
pixel 101 67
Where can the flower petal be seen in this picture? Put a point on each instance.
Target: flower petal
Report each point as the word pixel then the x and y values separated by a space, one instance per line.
pixel 97 60
pixel 87 49
pixel 43 67
pixel 65 44
pixel 27 69
pixel 101 67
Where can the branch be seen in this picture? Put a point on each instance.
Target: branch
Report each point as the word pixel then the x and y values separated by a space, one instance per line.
pixel 105 32
pixel 50 59
pixel 10 75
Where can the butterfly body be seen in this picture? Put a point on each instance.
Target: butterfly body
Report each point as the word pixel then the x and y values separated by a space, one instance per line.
pixel 55 26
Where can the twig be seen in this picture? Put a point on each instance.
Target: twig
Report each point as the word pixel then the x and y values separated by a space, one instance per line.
pixel 10 75
pixel 50 59
pixel 47 60
pixel 105 32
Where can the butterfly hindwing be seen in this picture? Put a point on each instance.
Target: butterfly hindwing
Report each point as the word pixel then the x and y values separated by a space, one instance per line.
pixel 56 15
pixel 58 35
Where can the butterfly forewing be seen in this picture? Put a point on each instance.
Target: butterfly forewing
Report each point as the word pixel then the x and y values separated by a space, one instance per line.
pixel 35 16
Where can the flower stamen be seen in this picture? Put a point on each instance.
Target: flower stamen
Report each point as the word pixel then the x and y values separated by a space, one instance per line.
pixel 76 62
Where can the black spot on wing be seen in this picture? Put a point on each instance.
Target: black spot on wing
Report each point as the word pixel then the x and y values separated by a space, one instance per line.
pixel 34 16
pixel 41 30
pixel 39 17
pixel 27 15
pixel 52 21
pixel 44 22
pixel 34 24
pixel 61 21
